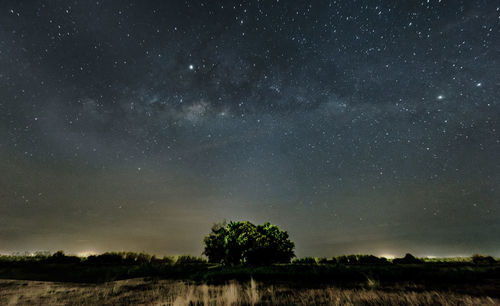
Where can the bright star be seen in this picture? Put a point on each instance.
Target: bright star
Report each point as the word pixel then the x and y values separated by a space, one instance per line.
pixel 191 67
pixel 440 97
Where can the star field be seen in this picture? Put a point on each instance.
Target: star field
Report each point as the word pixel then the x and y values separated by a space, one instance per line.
pixel 358 126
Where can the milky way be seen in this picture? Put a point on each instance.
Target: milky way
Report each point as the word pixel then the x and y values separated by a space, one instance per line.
pixel 358 126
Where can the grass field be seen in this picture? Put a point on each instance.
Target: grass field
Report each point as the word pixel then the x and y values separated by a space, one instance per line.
pixel 168 292
pixel 130 279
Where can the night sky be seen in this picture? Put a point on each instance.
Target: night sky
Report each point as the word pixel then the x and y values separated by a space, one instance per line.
pixel 357 126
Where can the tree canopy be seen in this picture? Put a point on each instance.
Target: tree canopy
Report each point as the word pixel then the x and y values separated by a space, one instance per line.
pixel 243 242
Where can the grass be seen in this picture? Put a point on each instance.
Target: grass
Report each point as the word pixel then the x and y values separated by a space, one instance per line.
pixel 169 292
pixel 138 278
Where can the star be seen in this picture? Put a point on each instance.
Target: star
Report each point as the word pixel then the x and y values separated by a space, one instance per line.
pixel 225 110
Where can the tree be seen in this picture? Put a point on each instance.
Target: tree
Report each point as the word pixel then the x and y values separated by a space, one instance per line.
pixel 215 242
pixel 60 257
pixel 483 260
pixel 247 243
pixel 408 259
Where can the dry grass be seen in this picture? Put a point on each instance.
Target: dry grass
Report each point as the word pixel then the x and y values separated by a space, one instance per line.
pixel 166 292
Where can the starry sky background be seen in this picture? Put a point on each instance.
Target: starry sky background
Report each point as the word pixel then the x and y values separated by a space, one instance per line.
pixel 357 126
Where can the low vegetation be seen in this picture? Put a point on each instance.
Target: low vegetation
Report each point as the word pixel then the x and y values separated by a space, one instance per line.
pixel 167 292
pixel 349 269
pixel 247 263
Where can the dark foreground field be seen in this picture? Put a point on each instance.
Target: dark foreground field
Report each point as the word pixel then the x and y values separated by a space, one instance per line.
pixel 169 292
pixel 139 279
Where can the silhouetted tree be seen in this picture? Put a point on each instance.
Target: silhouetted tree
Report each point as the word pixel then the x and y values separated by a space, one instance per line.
pixel 245 242
pixel 408 259
pixel 109 258
pixel 190 260
pixel 60 257
pixel 305 261
pixel 483 260
pixel 215 243
pixel 371 260
pixel 329 261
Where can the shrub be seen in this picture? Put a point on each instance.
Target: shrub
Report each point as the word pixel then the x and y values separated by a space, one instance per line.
pixel 361 260
pixel 244 242
pixel 483 260
pixel 131 258
pixel 167 260
pixel 352 259
pixel 305 261
pixel 189 260
pixel 143 258
pixel 106 258
pixel 60 257
pixel 371 260
pixel 330 261
pixel 342 260
pixel 40 255
pixel 408 259
pixel 326 261
pixel 347 260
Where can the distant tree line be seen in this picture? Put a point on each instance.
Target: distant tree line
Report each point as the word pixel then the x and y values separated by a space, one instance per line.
pixel 132 258
pixel 359 259
pixel 234 243
pixel 108 258
pixel 407 259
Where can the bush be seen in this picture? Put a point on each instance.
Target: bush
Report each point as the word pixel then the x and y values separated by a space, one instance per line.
pixel 106 258
pixel 371 260
pixel 330 261
pixel 483 260
pixel 132 258
pixel 327 261
pixel 305 261
pixel 347 260
pixel 167 260
pixel 189 260
pixel 59 257
pixel 361 260
pixel 408 259
pixel 244 242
